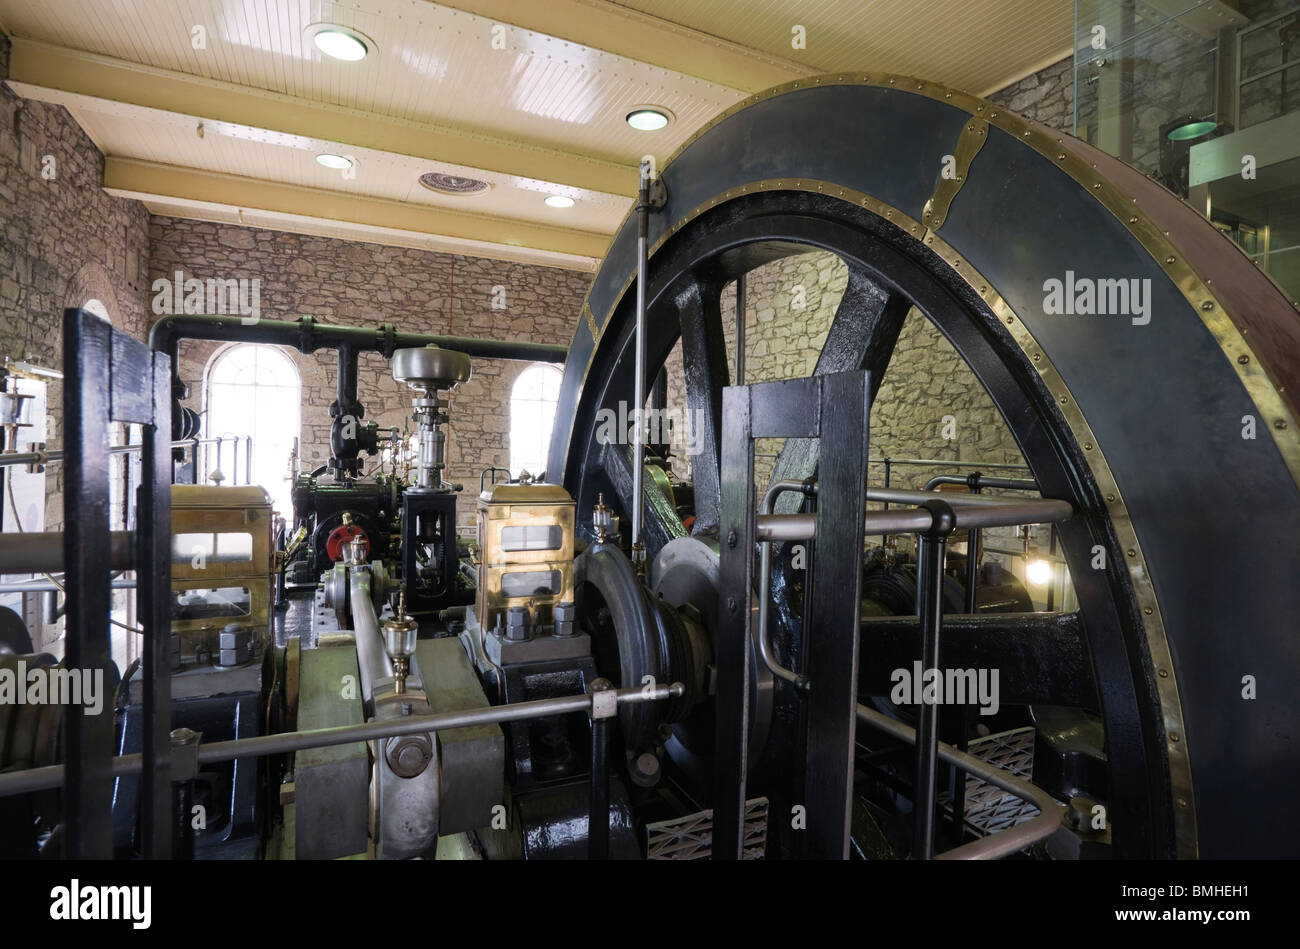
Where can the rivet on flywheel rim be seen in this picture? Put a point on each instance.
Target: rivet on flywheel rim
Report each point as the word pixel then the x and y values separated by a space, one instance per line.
pixel 1038 357
pixel 1087 446
pixel 1279 423
pixel 1164 673
pixel 1064 400
pixel 1110 498
pixel 1133 220
pixel 1173 736
pixel 1010 320
pixel 1207 305
pixel 1243 359
pixel 1131 552
pixel 1147 610
pixel 1170 260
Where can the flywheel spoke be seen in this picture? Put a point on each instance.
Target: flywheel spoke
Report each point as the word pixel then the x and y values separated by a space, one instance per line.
pixel 863 334
pixel 704 364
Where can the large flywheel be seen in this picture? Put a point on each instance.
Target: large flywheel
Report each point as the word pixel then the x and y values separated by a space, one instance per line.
pixel 1170 426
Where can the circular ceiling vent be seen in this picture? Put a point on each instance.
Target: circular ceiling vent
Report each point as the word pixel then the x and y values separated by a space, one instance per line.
pixel 452 184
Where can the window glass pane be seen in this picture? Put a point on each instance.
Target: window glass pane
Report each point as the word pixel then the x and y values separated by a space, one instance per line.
pixel 532 413
pixel 253 391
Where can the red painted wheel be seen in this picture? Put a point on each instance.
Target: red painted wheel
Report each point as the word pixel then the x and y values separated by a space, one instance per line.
pixel 341 535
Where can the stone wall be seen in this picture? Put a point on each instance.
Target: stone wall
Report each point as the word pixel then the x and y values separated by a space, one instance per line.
pixel 1046 96
pixel 361 284
pixel 929 405
pixel 63 241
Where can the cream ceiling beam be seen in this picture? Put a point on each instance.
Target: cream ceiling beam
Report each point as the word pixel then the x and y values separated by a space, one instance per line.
pixel 147 181
pixel 599 24
pixel 41 66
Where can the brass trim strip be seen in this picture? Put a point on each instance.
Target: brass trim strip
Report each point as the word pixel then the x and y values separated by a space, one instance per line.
pixel 969 143
pixel 591 323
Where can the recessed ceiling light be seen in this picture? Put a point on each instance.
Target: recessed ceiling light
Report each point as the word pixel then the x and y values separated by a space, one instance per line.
pixel 337 162
pixel 559 201
pixel 648 118
pixel 340 42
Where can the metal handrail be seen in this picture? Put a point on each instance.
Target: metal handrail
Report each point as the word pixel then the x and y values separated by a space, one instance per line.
pixel 52 776
pixel 994 845
pixel 8 459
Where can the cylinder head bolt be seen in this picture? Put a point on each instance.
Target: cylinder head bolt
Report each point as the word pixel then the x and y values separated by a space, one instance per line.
pixel 517 624
pixel 235 645
pixel 564 616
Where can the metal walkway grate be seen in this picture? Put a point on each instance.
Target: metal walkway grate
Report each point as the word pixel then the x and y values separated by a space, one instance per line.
pixel 691 837
pixel 990 809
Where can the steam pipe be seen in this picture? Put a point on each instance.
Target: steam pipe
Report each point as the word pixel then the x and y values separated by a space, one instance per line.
pixel 307 336
pixel 980 481
pixel 42 552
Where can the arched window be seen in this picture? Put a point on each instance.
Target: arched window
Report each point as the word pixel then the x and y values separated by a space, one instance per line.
pixel 532 412
pixel 96 306
pixel 254 390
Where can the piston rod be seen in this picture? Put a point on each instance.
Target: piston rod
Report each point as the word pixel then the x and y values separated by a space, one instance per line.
pixel 638 407
pixel 52 776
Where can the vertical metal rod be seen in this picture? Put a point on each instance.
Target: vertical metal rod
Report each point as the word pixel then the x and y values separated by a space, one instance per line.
pixel 883 537
pixel 740 330
pixel 87 348
pixel 153 603
pixel 1051 549
pixel 930 553
pixel 182 848
pixel 638 447
pixel 963 713
pixel 248 459
pixel 234 460
pixel 598 819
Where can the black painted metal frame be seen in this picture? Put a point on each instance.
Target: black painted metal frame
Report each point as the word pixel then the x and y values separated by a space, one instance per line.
pixel 110 377
pixel 833 408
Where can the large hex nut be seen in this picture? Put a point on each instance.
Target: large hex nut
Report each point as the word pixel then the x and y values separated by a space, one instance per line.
pixel 234 637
